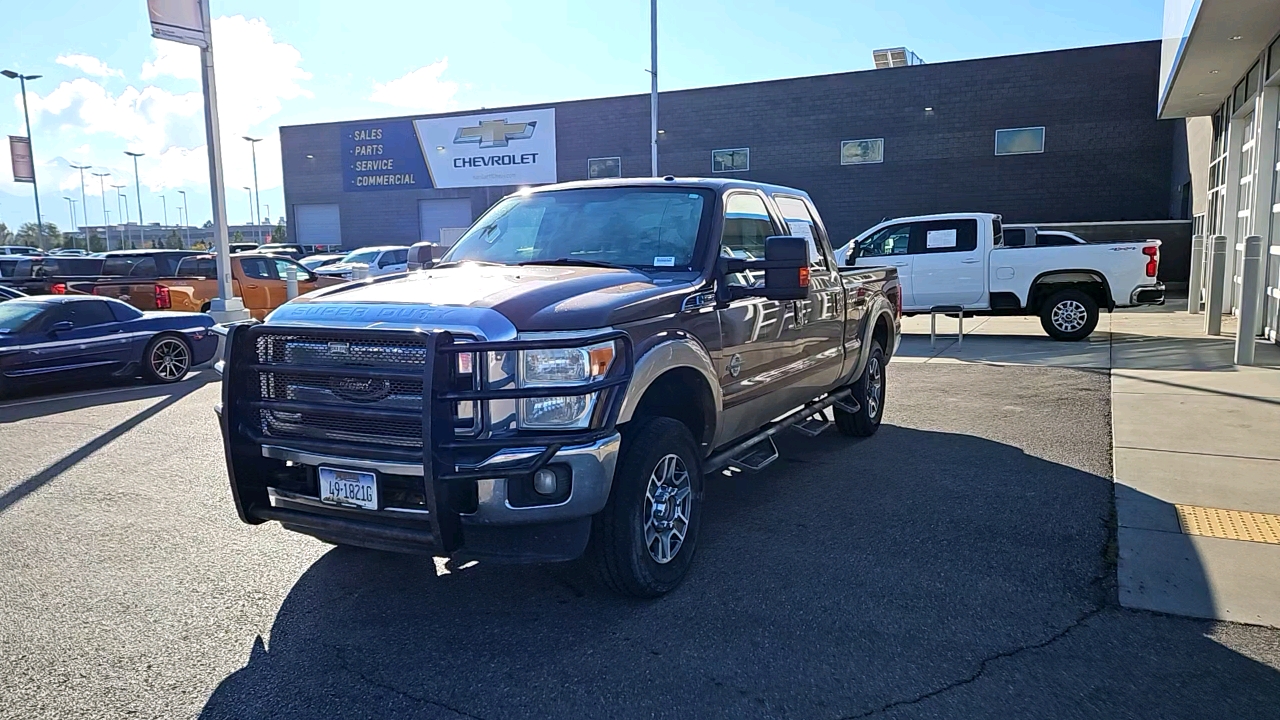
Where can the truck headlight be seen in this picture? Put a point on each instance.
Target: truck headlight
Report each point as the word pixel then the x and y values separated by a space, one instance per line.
pixel 562 366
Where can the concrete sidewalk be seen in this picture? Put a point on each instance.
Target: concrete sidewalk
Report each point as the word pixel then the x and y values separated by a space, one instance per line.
pixel 1196 462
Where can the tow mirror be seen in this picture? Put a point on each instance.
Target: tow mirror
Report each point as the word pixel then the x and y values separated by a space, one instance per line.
pixel 422 256
pixel 852 254
pixel 61 326
pixel 785 266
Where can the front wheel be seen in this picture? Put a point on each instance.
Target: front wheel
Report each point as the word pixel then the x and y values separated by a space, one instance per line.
pixel 869 392
pixel 167 359
pixel 642 542
pixel 1069 315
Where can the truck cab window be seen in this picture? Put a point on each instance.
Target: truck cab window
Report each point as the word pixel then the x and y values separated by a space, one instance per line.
pixel 800 222
pixel 893 240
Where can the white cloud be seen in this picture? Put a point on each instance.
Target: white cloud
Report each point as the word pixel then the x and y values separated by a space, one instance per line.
pixel 255 75
pixel 89 65
pixel 420 89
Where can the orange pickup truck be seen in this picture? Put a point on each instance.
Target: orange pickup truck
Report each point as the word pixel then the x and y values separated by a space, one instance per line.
pixel 259 281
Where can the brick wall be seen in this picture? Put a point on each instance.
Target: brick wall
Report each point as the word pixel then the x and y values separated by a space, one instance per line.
pixel 1106 156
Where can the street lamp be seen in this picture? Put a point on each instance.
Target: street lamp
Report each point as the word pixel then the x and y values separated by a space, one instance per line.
pixel 106 222
pixel 71 207
pixel 186 215
pixel 250 191
pixel 84 203
pixel 137 180
pixel 257 199
pixel 35 190
pixel 126 240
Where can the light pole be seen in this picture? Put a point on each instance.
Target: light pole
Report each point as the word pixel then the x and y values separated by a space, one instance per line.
pixel 186 216
pixel 250 191
pixel 35 190
pixel 71 207
pixel 257 199
pixel 137 181
pixel 126 240
pixel 653 88
pixel 84 202
pixel 106 223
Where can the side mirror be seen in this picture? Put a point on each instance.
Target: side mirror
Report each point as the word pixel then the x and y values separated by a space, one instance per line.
pixel 853 253
pixel 422 256
pixel 785 266
pixel 61 326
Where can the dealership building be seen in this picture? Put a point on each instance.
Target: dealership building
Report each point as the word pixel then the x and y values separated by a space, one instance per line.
pixel 1220 69
pixel 1069 136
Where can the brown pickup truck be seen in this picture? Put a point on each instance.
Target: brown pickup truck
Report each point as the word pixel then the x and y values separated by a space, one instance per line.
pixel 259 280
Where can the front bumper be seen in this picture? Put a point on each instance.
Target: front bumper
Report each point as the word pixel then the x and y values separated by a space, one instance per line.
pixel 461 493
pixel 1147 295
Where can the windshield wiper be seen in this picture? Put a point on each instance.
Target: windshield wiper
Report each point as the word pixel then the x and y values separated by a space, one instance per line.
pixel 575 261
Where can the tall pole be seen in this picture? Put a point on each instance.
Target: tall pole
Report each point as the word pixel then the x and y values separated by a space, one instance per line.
pixel 35 189
pixel 84 202
pixel 71 208
pixel 137 183
pixel 257 199
pixel 186 216
pixel 106 222
pixel 164 204
pixel 653 90
pixel 226 307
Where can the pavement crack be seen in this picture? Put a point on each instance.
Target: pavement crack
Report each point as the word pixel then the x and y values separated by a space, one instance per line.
pixel 982 667
pixel 342 661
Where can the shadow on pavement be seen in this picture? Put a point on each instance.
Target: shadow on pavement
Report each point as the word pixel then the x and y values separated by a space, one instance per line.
pixel 913 573
pixel 52 399
pixel 171 394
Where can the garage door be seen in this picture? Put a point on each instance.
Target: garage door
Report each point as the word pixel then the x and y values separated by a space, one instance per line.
pixel 317 224
pixel 435 216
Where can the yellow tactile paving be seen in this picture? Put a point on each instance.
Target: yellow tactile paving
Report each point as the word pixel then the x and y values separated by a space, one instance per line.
pixel 1229 524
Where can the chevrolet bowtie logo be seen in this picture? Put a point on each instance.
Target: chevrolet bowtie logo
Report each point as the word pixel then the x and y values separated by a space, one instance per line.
pixel 495 133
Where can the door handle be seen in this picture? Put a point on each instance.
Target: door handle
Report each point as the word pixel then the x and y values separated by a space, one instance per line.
pixel 254 287
pixel 901 264
pixel 971 261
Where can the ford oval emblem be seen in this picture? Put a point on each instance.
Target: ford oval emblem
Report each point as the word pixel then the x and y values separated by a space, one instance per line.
pixel 360 390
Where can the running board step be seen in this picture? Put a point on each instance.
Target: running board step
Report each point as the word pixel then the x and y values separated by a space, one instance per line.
pixel 848 405
pixel 814 426
pixel 756 457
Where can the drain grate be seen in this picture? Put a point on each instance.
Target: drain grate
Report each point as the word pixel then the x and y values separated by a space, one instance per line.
pixel 1229 524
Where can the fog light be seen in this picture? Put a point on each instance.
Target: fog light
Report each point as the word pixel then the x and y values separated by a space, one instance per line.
pixel 544 482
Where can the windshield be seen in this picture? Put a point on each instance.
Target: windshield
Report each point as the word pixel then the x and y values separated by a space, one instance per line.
pixel 637 227
pixel 362 256
pixel 14 314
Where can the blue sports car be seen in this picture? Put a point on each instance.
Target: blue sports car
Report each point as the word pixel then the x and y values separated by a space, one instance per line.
pixel 58 336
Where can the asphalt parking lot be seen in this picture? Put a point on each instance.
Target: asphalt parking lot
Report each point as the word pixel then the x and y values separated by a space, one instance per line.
pixel 957 564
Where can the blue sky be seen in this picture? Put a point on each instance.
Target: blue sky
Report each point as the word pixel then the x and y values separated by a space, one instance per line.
pixel 108 86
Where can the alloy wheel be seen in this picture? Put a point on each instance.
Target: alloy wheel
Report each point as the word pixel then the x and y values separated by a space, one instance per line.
pixel 1069 316
pixel 170 359
pixel 666 508
pixel 875 386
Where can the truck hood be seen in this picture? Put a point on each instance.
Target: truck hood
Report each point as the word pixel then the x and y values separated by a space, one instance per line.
pixel 531 298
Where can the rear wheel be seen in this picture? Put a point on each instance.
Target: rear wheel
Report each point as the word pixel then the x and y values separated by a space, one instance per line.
pixel 1069 315
pixel 167 359
pixel 868 391
pixel 643 541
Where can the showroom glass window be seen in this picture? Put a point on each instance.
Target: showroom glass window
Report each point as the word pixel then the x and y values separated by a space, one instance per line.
pixel 859 152
pixel 1020 141
pixel 609 167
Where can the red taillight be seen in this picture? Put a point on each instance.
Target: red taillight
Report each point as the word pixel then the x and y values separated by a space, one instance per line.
pixel 804 276
pixel 1153 259
pixel 162 298
pixel 58 288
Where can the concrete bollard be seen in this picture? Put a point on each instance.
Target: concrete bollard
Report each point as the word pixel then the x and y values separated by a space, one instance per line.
pixel 1215 285
pixel 1250 299
pixel 1196 279
pixel 291 282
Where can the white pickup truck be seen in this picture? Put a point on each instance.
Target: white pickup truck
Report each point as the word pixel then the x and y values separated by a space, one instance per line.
pixel 961 261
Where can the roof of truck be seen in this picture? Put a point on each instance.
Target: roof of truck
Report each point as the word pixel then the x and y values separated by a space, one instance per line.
pixel 717 184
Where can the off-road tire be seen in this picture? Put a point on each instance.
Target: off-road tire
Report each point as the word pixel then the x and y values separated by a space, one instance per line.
pixel 1060 316
pixel 869 392
pixel 618 552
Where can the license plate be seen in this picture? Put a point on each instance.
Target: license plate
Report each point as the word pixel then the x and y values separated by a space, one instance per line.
pixel 348 487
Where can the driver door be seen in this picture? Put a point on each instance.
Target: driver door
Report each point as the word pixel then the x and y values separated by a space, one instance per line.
pixel 890 245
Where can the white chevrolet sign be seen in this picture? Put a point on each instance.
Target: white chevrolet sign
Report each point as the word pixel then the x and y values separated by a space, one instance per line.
pixel 506 148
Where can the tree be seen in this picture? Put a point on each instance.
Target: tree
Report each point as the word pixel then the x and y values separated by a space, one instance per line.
pixel 237 237
pixel 96 243
pixel 174 241
pixel 6 235
pixel 27 235
pixel 207 224
pixel 279 234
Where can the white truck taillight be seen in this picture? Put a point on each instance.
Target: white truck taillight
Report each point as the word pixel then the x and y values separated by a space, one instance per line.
pixel 1153 259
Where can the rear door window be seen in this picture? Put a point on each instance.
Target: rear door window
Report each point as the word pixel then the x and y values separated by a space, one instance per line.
pixel 944 236
pixel 259 268
pixel 801 223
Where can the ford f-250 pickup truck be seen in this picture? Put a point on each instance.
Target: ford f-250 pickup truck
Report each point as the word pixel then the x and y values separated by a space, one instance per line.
pixel 961 261
pixel 562 379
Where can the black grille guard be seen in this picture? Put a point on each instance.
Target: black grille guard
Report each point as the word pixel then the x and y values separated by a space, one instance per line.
pixel 446 455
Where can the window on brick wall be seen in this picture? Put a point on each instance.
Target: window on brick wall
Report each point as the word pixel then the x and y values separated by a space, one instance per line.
pixel 609 167
pixel 1020 141
pixel 733 160
pixel 857 152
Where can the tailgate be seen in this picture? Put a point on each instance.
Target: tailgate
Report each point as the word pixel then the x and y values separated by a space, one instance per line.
pixel 141 294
